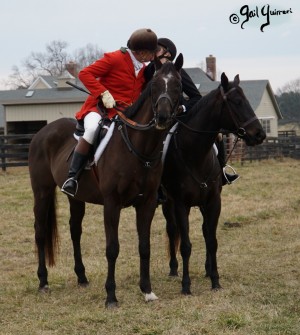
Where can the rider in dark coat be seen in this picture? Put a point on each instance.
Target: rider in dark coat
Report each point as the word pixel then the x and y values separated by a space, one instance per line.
pixel 166 52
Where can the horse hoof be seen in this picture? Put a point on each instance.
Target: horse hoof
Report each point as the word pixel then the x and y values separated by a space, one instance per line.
pixel 217 288
pixel 44 289
pixel 186 292
pixel 111 305
pixel 83 285
pixel 173 274
pixel 150 297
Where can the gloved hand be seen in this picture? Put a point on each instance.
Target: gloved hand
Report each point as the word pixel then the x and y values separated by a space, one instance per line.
pixel 108 99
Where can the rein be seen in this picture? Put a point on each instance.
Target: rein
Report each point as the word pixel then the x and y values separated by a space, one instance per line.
pixel 146 160
pixel 239 133
pixel 124 122
pixel 133 124
pixel 202 184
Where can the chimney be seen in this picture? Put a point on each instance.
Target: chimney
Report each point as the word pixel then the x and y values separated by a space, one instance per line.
pixel 71 67
pixel 211 67
pixel 61 81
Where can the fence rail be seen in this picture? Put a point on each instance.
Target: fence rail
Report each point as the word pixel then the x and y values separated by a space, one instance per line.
pixel 279 147
pixel 14 150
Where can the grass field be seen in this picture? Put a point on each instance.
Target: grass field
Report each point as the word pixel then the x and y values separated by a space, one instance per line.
pixel 258 258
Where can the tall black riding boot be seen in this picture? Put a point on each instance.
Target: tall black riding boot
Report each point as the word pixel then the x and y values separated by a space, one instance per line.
pixel 78 163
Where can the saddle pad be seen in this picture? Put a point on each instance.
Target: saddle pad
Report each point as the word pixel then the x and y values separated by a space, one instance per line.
pixel 101 147
pixel 167 142
pixel 103 143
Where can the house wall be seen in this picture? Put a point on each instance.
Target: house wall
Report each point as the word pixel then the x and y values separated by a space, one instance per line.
pixel 47 112
pixel 40 85
pixel 266 111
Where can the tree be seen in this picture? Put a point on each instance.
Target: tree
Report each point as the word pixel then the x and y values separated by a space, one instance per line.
pixel 87 55
pixel 52 62
pixel 288 99
pixel 292 86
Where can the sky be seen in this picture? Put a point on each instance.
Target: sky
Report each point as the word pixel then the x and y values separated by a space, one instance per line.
pixel 255 39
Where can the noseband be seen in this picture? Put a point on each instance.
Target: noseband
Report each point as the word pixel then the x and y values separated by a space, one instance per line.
pixel 240 132
pixel 165 95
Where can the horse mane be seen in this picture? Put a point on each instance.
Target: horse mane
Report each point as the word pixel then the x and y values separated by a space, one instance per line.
pixel 131 111
pixel 201 103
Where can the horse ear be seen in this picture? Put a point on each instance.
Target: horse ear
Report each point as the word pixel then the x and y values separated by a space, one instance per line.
pixel 157 63
pixel 224 81
pixel 236 80
pixel 179 62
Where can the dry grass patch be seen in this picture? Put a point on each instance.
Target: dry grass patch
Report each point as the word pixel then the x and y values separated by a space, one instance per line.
pixel 258 263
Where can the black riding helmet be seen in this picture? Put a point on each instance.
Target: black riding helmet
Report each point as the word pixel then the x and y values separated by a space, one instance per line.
pixel 169 46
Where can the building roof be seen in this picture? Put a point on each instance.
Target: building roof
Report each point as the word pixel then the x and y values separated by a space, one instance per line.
pixel 254 90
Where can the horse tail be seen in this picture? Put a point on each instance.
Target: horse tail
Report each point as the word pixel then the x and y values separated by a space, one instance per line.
pixel 51 241
pixel 46 227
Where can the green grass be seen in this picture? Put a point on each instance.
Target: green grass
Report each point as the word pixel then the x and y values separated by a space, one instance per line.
pixel 258 260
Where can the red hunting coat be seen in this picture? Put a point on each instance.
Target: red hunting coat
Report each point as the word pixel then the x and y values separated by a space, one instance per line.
pixel 115 73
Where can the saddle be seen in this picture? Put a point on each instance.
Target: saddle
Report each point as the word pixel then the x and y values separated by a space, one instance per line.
pixel 102 136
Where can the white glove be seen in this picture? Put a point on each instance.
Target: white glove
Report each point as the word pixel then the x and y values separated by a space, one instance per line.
pixel 108 99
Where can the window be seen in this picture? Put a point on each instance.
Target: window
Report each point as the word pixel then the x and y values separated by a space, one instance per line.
pixel 29 94
pixel 266 124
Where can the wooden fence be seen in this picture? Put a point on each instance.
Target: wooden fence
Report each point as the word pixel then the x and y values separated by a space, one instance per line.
pixel 14 150
pixel 279 147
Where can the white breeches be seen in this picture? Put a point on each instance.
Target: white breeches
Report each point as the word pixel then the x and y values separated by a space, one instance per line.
pixel 91 121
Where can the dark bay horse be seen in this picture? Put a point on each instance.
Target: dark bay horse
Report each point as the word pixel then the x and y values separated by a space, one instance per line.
pixel 128 173
pixel 192 173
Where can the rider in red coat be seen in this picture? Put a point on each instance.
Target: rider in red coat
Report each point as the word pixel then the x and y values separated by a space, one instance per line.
pixel 117 77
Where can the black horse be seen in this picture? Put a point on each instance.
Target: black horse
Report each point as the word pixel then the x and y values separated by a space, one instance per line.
pixel 128 173
pixel 192 173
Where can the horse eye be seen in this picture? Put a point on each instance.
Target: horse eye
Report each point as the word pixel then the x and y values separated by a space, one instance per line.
pixel 238 101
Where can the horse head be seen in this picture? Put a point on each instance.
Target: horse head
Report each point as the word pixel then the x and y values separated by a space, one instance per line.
pixel 166 91
pixel 240 117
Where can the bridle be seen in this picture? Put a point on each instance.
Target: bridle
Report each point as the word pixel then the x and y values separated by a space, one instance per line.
pixel 240 131
pixel 165 95
pixel 153 122
pixel 123 122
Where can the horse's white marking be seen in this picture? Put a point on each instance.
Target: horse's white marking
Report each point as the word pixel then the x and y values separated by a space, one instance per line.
pixel 166 79
pixel 150 297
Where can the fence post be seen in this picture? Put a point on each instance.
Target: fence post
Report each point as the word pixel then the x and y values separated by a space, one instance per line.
pixel 2 149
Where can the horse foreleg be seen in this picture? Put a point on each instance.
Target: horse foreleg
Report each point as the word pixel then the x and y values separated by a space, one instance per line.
pixel 173 236
pixel 144 216
pixel 182 219
pixel 111 223
pixel 77 211
pixel 209 229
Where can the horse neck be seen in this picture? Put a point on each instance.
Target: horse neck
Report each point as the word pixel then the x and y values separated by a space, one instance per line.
pixel 205 120
pixel 150 141
pixel 145 112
